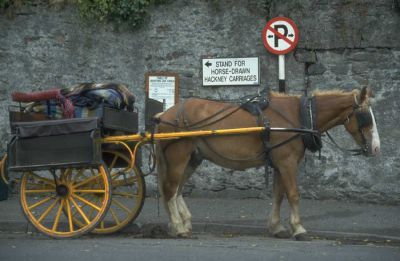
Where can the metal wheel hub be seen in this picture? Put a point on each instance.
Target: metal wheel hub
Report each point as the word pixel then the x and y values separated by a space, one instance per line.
pixel 62 190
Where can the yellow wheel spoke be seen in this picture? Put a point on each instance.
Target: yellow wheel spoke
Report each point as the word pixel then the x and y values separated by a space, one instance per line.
pixel 119 204
pixel 124 182
pixel 40 203
pixel 113 162
pixel 48 210
pixel 85 205
pixel 67 174
pixel 115 217
pixel 92 210
pixel 124 194
pixel 89 191
pixel 87 180
pixel 57 218
pixel 78 175
pixel 71 225
pixel 102 224
pixel 31 191
pixel 48 181
pixel 115 175
pixel 86 202
pixel 80 211
pixel 32 186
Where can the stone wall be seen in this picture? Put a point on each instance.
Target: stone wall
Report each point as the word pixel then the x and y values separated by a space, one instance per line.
pixel 343 44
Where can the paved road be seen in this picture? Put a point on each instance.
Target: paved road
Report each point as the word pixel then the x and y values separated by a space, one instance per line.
pixel 326 218
pixel 227 229
pixel 207 247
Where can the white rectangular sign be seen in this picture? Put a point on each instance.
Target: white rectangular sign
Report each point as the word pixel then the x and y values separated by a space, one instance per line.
pixel 231 71
pixel 162 88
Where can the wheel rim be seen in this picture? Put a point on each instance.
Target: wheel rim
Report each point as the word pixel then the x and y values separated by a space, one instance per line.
pixel 70 190
pixel 128 190
pixel 3 170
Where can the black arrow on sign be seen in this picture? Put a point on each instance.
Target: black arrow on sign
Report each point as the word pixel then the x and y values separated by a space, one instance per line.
pixel 208 64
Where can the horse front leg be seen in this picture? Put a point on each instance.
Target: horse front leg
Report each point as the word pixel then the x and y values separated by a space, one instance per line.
pixel 288 175
pixel 274 225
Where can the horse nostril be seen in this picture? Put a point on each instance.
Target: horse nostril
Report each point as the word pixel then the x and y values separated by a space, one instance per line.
pixel 377 150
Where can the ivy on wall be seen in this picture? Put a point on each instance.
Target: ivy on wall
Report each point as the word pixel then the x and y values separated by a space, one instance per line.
pixel 9 6
pixel 129 12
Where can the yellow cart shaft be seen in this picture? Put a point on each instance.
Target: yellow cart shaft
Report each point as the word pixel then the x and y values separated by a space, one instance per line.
pixel 183 134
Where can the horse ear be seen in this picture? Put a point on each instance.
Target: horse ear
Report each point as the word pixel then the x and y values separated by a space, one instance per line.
pixel 366 92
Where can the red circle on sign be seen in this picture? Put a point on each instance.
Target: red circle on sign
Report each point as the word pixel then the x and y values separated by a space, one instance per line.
pixel 290 42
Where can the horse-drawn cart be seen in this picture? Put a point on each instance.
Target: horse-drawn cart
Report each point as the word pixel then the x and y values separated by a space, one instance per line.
pixel 69 175
pixel 81 174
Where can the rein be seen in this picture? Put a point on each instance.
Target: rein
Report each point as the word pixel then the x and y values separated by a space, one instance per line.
pixel 354 152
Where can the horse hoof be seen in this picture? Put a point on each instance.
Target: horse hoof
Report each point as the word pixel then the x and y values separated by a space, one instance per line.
pixel 186 235
pixel 155 232
pixel 282 234
pixel 302 237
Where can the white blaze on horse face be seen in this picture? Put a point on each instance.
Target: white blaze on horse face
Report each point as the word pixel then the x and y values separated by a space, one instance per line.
pixel 375 143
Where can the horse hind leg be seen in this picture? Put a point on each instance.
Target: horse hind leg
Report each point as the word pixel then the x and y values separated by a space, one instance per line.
pixel 185 214
pixel 194 162
pixel 172 165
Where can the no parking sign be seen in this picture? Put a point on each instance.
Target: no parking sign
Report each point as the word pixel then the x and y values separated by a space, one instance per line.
pixel 280 35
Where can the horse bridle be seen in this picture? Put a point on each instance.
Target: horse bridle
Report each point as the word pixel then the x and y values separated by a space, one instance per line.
pixel 364 146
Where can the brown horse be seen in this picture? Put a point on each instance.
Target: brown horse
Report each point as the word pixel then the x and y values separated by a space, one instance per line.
pixel 177 159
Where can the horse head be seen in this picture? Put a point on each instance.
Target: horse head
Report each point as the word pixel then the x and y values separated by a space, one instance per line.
pixel 361 124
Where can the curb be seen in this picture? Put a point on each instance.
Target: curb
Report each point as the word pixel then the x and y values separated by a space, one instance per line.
pixel 220 229
pixel 254 230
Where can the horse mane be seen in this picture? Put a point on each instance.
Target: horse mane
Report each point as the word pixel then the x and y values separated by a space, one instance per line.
pixel 282 94
pixel 336 92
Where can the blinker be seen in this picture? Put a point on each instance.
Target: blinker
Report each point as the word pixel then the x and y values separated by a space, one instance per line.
pixel 364 119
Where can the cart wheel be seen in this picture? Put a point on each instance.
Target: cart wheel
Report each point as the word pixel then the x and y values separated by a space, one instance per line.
pixel 45 194
pixel 3 169
pixel 128 193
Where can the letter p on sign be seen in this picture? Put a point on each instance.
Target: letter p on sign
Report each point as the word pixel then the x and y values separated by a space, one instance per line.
pixel 280 35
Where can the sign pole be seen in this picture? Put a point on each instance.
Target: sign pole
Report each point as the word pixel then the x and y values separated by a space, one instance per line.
pixel 282 85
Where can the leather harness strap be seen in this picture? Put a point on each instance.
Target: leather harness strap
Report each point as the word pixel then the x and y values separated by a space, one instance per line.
pixel 308 118
pixel 256 106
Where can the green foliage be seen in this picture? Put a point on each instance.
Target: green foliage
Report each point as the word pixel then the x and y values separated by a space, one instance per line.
pixel 9 6
pixel 130 12
pixel 5 3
